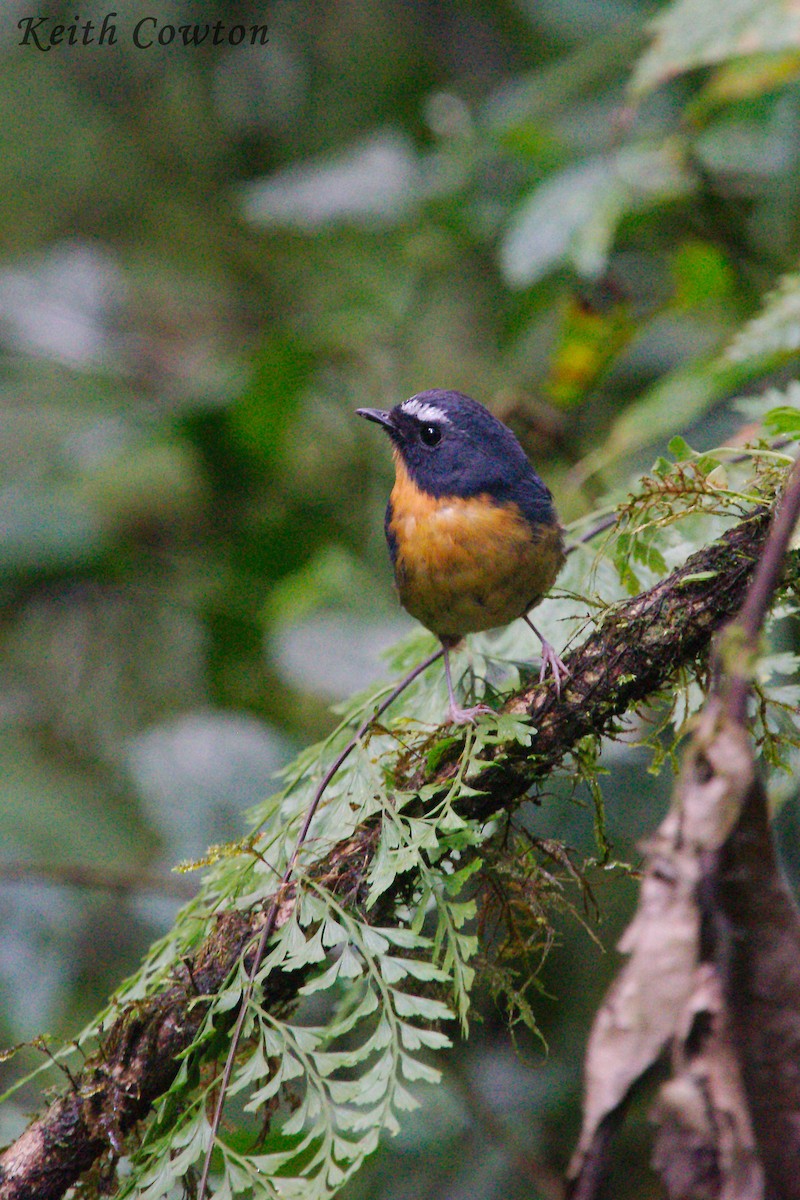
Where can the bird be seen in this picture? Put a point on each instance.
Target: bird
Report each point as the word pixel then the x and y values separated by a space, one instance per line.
pixel 473 534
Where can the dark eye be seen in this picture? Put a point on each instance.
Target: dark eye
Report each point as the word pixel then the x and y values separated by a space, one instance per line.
pixel 431 435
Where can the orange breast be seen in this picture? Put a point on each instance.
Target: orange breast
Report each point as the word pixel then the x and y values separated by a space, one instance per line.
pixel 465 565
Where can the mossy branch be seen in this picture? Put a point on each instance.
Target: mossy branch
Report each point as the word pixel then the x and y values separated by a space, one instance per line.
pixel 633 652
pixel 711 977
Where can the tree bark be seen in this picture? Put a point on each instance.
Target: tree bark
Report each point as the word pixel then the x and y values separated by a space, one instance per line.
pixel 634 651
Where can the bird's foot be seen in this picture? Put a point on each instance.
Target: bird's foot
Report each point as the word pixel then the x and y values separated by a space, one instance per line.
pixel 457 715
pixel 552 663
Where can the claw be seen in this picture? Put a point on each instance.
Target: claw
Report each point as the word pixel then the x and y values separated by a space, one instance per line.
pixel 466 716
pixel 558 668
pixel 550 661
pixel 456 715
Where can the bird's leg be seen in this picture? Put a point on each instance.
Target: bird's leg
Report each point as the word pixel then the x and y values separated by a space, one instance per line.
pixel 456 714
pixel 550 659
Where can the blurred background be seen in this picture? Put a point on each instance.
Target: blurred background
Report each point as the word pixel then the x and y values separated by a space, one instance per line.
pixel 210 255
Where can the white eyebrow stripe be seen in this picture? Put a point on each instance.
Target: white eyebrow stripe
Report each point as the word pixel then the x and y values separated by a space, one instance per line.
pixel 424 411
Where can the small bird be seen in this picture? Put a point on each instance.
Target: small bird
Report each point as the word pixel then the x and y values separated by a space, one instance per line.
pixel 473 534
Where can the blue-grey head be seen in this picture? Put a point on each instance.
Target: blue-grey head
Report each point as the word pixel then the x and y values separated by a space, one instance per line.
pixel 452 446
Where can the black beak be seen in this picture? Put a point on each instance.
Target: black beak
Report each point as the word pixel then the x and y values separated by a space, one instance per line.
pixel 378 416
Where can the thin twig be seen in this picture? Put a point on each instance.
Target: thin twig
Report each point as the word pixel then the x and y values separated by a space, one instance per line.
pixel 750 618
pixel 272 916
pixel 633 652
pixel 759 594
pixel 269 925
pixel 710 866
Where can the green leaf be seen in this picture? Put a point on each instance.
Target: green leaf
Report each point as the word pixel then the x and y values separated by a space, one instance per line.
pixel 414 1037
pixel 439 751
pixel 419 968
pixel 783 421
pixel 352 1013
pixel 679 449
pixel 776 329
pixel 378 179
pixel 695 33
pixel 572 217
pixel 414 1069
pixel 402 1099
pixel 403 937
pixel 702 275
pixel 421 1006
pixel 697 577
pixel 673 402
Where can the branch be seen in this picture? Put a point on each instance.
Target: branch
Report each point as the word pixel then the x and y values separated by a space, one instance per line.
pixel 635 651
pixel 713 969
pixel 632 653
pixel 749 622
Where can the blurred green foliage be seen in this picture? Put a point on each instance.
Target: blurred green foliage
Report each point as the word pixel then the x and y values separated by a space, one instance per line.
pixel 210 257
